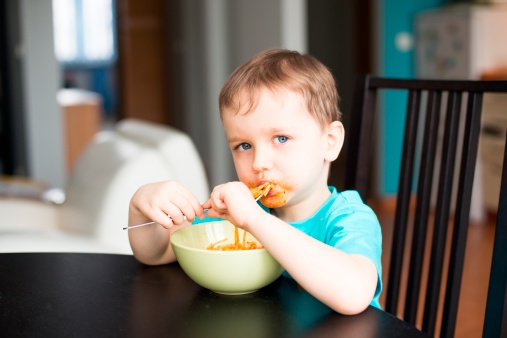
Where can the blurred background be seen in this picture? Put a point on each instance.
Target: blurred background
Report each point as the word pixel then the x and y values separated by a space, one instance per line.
pixel 71 67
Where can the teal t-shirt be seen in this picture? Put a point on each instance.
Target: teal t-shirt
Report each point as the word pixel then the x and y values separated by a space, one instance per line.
pixel 346 223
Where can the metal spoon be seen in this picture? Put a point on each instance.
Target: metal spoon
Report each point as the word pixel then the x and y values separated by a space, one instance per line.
pixel 148 223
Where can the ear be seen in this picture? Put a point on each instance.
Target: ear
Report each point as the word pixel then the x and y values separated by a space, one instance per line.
pixel 334 137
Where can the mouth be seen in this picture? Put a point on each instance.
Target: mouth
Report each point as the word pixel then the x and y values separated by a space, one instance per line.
pixel 270 190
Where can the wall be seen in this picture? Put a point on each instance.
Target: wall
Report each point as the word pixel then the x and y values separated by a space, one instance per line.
pixel 217 37
pixel 395 60
pixel 14 123
pixel 40 77
pixel 340 35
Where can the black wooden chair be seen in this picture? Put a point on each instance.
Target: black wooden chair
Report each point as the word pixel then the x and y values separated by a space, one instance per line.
pixel 421 164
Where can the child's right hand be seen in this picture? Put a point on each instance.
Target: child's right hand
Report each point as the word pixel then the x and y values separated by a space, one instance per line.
pixel 164 203
pixel 233 201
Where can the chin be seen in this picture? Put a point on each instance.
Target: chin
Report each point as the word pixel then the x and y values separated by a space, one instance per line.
pixel 275 201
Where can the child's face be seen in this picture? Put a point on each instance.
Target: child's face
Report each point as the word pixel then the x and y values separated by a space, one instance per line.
pixel 278 141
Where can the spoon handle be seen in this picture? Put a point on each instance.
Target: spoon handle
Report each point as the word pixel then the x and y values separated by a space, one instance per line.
pixel 143 224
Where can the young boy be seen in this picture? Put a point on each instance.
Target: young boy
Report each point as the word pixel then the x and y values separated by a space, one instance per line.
pixel 281 116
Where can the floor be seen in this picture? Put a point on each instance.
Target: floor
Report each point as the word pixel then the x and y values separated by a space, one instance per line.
pixel 476 270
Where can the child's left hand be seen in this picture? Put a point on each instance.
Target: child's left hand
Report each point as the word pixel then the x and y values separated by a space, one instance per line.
pixel 234 202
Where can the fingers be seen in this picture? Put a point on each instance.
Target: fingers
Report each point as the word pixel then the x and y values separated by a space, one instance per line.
pixel 214 213
pixel 217 199
pixel 169 204
pixel 166 203
pixel 232 201
pixel 207 204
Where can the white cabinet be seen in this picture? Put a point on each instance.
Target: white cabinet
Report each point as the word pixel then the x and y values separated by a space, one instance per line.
pixel 492 144
pixel 461 41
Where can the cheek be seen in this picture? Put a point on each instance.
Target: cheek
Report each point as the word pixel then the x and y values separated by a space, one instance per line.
pixel 239 161
pixel 243 171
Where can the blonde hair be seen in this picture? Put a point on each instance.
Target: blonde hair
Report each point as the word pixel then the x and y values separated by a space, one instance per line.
pixel 280 69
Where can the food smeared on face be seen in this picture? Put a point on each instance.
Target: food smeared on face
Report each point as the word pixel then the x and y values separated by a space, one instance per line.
pixel 276 200
pixel 277 196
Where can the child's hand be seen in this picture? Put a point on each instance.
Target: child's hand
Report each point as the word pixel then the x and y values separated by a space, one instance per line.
pixel 234 202
pixel 163 201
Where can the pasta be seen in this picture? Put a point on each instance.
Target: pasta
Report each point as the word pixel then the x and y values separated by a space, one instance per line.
pixel 245 245
pixel 259 191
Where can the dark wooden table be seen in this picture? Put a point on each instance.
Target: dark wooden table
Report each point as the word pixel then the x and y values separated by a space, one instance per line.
pixel 99 295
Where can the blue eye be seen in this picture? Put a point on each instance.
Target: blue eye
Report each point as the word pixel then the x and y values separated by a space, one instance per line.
pixel 244 146
pixel 281 139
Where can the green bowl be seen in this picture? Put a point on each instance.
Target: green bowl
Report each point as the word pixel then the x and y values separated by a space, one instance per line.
pixel 226 272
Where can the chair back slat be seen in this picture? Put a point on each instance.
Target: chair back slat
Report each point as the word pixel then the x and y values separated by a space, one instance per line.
pixel 360 144
pixel 463 201
pixel 404 192
pixel 442 210
pixel 437 168
pixel 421 219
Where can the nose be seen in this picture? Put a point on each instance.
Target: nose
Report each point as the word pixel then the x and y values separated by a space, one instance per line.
pixel 262 161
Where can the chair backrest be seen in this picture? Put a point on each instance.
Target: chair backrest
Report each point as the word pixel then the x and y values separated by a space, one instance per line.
pixel 115 165
pixel 495 323
pixel 439 154
pixel 100 186
pixel 177 149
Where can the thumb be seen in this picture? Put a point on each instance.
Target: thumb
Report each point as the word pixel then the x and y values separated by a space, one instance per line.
pixel 207 204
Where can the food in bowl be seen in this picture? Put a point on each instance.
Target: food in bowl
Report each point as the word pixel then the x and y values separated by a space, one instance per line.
pixel 245 244
pixel 226 272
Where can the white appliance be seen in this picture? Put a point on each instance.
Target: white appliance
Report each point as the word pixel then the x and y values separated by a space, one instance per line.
pixel 460 42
